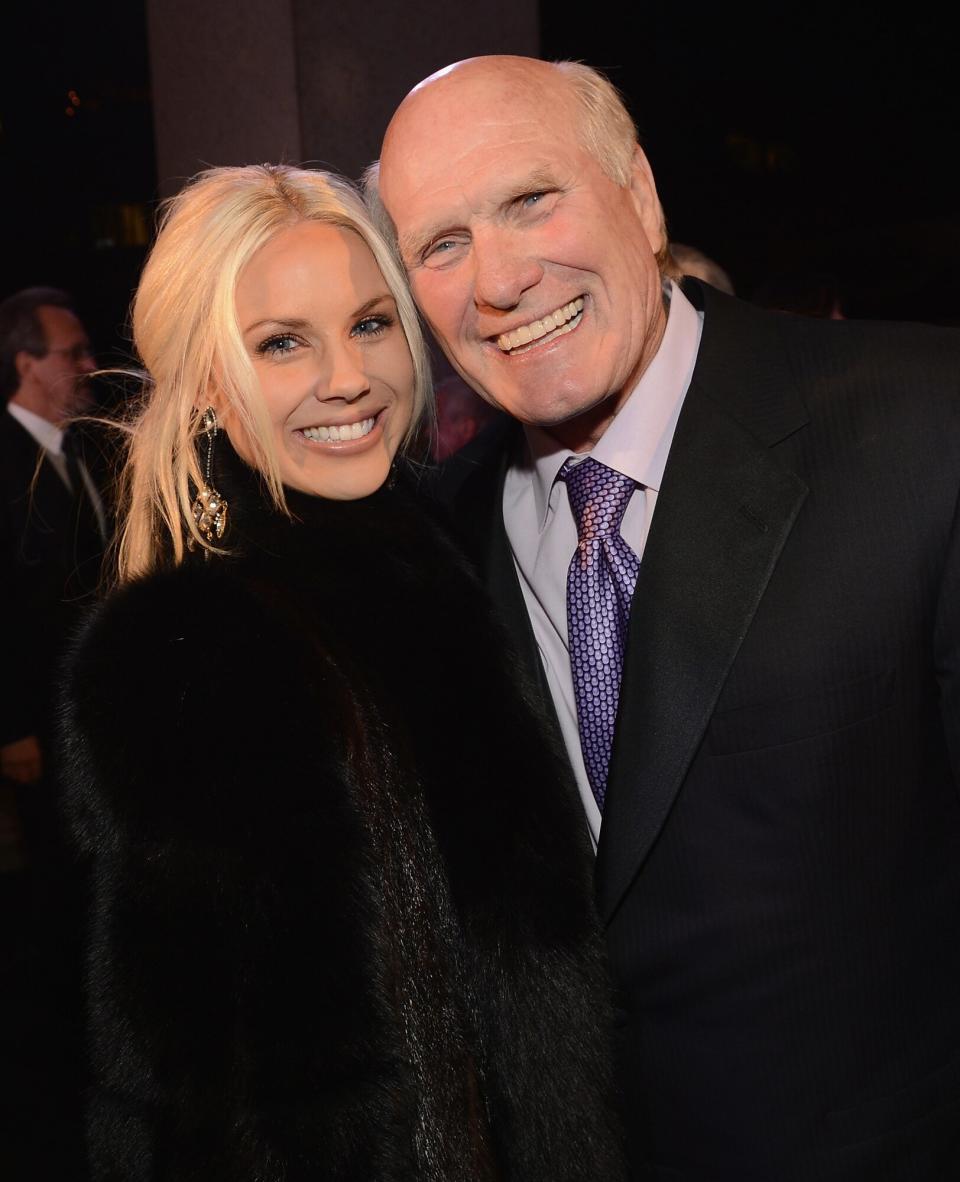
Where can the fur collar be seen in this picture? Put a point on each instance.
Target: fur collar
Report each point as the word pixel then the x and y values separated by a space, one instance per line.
pixel 318 768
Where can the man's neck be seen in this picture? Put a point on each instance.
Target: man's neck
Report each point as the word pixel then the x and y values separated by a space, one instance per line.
pixel 38 405
pixel 583 433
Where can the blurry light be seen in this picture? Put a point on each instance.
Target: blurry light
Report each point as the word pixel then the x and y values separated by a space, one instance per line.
pixel 73 97
pixel 70 111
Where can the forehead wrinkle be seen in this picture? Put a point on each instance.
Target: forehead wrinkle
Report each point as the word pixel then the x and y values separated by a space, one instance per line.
pixel 458 122
pixel 540 175
pixel 488 83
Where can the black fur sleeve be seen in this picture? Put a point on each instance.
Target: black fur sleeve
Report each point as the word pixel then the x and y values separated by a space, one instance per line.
pixel 210 760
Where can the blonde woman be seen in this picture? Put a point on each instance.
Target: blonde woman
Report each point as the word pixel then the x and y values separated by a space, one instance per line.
pixel 341 922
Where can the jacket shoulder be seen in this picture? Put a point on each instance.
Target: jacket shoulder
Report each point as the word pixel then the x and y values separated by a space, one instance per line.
pixel 185 697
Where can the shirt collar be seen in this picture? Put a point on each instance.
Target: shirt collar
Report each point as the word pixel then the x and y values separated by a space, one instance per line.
pixel 638 440
pixel 47 434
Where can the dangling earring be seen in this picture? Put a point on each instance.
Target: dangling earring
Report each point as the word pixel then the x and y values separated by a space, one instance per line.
pixel 209 507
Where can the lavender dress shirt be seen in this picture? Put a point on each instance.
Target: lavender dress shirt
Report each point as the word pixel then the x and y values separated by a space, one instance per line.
pixel 540 524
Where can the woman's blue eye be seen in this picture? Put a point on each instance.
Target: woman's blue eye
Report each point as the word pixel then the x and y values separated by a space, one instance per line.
pixel 274 346
pixel 371 326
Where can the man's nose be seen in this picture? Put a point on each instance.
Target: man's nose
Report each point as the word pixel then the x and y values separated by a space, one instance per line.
pixel 504 270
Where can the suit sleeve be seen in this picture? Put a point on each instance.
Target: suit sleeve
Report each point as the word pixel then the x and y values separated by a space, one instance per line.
pixel 18 707
pixel 204 779
pixel 947 646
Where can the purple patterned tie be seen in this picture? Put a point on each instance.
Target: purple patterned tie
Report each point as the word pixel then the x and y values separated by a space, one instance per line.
pixel 600 583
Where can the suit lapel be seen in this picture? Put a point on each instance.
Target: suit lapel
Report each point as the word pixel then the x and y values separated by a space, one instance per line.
pixel 472 484
pixel 723 514
pixel 39 492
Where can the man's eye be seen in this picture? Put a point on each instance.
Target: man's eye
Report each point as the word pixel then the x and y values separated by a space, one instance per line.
pixel 532 199
pixel 277 346
pixel 444 250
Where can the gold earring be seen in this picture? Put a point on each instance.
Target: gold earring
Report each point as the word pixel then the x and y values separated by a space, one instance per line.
pixel 209 507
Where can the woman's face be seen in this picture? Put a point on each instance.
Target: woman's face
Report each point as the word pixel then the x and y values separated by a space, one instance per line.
pixel 321 328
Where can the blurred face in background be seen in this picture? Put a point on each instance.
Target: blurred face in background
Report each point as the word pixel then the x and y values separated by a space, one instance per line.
pixel 56 385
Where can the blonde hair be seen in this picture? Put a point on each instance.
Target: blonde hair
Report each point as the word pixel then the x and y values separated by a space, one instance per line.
pixel 186 333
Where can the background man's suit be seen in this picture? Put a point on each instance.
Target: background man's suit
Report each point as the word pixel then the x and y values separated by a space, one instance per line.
pixel 779 864
pixel 50 554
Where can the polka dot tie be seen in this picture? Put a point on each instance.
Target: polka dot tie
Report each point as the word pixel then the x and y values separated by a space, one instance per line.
pixel 600 583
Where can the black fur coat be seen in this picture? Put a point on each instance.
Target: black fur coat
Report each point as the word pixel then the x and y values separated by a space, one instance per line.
pixel 342 924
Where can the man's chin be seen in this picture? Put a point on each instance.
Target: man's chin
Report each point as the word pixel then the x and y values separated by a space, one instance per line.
pixel 83 400
pixel 576 427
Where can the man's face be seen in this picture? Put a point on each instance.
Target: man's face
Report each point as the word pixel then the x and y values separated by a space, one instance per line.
pixel 536 272
pixel 61 376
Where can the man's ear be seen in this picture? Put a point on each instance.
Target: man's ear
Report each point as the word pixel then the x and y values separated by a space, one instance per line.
pixel 643 193
pixel 24 363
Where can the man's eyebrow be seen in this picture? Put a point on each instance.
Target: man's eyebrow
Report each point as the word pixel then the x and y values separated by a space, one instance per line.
pixel 541 177
pixel 413 244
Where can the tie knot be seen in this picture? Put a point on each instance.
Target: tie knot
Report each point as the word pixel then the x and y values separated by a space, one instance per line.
pixel 598 497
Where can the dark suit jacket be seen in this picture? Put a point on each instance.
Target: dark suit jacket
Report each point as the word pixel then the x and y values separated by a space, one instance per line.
pixel 779 864
pixel 50 553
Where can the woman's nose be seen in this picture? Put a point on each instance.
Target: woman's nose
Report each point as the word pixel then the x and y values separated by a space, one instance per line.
pixel 348 375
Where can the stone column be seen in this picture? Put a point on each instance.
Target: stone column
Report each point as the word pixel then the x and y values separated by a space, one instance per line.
pixel 304 81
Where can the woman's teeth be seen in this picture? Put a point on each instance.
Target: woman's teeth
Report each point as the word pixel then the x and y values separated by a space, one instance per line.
pixel 340 434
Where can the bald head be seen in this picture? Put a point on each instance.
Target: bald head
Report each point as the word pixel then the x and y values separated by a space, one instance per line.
pixel 528 221
pixel 511 79
pixel 509 69
pixel 602 122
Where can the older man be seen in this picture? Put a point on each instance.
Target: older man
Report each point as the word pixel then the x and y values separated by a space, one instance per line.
pixel 53 531
pixel 777 766
pixel 52 524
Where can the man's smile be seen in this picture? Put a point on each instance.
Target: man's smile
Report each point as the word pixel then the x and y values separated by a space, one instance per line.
pixel 554 324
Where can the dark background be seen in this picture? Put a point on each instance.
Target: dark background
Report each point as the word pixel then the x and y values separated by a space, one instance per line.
pixel 800 140
pixel 805 139
pixel 77 189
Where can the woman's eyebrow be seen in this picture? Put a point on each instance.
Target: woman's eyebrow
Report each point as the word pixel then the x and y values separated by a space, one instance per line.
pixel 384 297
pixel 279 321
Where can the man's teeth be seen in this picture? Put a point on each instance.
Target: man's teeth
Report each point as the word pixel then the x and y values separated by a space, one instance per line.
pixel 556 322
pixel 339 434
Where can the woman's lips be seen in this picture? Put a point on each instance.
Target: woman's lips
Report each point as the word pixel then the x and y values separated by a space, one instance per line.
pixel 344 433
